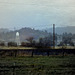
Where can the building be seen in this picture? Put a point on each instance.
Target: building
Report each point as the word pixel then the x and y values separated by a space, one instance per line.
pixel 59 39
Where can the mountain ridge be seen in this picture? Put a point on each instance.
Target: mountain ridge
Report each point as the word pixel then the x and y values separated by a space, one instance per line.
pixel 61 30
pixel 36 34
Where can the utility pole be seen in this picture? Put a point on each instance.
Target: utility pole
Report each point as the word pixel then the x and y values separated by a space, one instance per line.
pixel 53 36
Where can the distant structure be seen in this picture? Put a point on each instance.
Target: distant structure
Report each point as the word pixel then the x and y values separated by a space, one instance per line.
pixel 17 40
pixel 59 39
pixel 53 35
pixel 73 41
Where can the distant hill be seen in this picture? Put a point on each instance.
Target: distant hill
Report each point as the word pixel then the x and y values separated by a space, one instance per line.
pixel 4 30
pixel 6 35
pixel 24 34
pixel 60 30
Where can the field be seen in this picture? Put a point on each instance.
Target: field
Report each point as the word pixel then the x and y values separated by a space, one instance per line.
pixel 38 65
pixel 57 47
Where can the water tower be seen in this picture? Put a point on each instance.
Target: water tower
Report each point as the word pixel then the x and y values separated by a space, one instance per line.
pixel 17 39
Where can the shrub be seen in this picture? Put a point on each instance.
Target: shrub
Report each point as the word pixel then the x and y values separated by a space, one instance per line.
pixel 12 44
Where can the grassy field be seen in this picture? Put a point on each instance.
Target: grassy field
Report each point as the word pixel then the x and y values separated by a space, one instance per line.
pixel 39 65
pixel 57 47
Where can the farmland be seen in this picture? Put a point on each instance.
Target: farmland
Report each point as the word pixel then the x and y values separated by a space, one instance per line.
pixel 38 65
pixel 36 61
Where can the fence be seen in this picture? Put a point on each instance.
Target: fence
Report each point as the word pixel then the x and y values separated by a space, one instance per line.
pixel 31 52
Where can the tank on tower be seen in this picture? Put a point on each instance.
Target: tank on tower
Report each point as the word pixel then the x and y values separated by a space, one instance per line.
pixel 17 40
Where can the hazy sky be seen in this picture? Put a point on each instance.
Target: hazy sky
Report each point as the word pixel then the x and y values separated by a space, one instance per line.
pixel 36 13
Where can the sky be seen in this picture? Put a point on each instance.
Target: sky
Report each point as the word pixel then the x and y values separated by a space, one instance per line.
pixel 38 14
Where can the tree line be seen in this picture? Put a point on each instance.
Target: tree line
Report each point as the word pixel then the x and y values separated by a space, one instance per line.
pixel 67 39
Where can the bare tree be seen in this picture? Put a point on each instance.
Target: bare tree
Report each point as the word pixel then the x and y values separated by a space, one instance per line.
pixel 30 39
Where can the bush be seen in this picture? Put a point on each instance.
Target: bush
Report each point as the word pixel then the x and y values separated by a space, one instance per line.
pixel 2 44
pixel 12 44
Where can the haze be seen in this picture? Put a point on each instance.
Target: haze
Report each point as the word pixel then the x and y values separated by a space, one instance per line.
pixel 39 14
